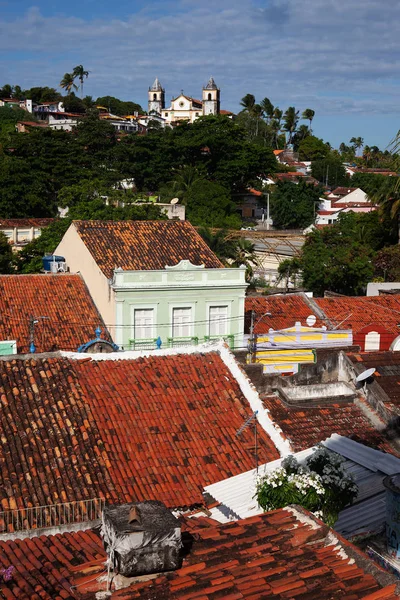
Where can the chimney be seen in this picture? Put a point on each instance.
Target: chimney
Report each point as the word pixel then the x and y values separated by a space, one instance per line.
pixel 141 538
pixel 392 485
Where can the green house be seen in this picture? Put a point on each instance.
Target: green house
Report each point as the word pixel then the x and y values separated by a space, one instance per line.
pixel 156 282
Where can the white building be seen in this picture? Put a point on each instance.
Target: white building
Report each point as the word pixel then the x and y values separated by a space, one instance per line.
pixel 184 108
pixel 330 208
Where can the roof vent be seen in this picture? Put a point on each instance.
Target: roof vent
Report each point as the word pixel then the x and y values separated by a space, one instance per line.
pixel 141 538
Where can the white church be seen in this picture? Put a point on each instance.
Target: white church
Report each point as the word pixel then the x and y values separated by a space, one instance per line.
pixel 185 108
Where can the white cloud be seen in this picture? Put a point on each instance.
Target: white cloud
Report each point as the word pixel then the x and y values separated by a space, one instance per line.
pixel 324 54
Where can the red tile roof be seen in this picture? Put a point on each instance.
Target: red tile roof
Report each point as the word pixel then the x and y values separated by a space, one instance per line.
pixel 308 425
pixel 144 245
pixel 285 311
pixel 285 553
pixel 161 427
pixel 343 191
pixel 63 298
pixel 360 312
pixel 7 223
pixel 387 374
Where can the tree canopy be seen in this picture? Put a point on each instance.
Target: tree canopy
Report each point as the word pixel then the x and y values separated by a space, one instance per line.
pixel 293 205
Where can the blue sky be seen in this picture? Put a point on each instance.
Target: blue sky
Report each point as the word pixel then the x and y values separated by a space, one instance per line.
pixel 340 58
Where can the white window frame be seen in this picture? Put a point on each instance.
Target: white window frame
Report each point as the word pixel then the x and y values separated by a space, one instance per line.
pixel 373 341
pixel 224 322
pixel 230 327
pixel 192 306
pixel 152 307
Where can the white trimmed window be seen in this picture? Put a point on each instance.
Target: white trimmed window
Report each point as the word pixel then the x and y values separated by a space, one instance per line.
pixel 372 341
pixel 143 323
pixel 218 320
pixel 181 322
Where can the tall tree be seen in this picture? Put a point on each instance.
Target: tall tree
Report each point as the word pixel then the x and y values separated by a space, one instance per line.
pixel 80 73
pixel 357 142
pixel 268 108
pixel 6 255
pixel 6 91
pixel 67 83
pixel 308 115
pixel 248 101
pixel 291 118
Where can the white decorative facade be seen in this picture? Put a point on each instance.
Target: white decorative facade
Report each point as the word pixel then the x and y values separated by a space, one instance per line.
pixel 184 108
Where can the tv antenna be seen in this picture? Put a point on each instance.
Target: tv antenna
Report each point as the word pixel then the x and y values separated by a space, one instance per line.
pixel 365 378
pixel 251 420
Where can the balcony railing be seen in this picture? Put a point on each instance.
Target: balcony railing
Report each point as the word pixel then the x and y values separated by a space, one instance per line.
pixel 52 515
pixel 176 342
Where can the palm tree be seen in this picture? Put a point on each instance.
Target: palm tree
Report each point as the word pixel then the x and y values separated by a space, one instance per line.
pixel 308 115
pixel 268 108
pixel 80 73
pixel 183 181
pixel 248 102
pixel 257 114
pixel 218 242
pixel 67 83
pixel 291 118
pixel 244 255
pixel 357 142
pixel 276 124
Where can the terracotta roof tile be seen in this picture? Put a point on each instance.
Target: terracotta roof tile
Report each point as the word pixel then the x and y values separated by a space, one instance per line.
pixel 161 427
pixel 360 312
pixel 144 245
pixel 63 298
pixel 387 365
pixel 305 426
pixel 285 311
pixel 6 223
pixel 230 561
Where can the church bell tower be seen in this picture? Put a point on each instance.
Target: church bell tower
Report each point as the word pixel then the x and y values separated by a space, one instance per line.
pixel 156 97
pixel 211 98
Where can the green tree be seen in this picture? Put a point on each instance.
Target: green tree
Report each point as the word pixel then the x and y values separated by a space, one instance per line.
pixel 357 142
pixel 6 91
pixel 291 119
pixel 387 264
pixel 219 242
pixel 80 73
pixel 330 171
pixel 6 255
pixel 244 255
pixel 335 259
pixel 67 83
pixel 42 94
pixel 308 115
pixel 29 260
pixel 209 204
pixel 119 107
pixel 312 148
pixel 73 104
pixel 293 205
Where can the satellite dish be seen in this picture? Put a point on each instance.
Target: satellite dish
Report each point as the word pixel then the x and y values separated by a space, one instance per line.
pixel 365 377
pixel 311 320
pixel 174 201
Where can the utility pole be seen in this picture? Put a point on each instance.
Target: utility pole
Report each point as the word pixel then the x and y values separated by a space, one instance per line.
pixel 267 211
pixel 32 322
pixel 251 339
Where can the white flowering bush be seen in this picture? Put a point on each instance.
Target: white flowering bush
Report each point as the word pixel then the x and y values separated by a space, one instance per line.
pixel 322 485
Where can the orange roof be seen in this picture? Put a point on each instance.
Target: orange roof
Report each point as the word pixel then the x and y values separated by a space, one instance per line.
pixel 308 425
pixel 6 223
pixel 280 554
pixel 71 315
pixel 144 245
pixel 360 311
pixel 276 152
pixel 387 365
pixel 285 311
pixel 154 428
pixel 255 192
